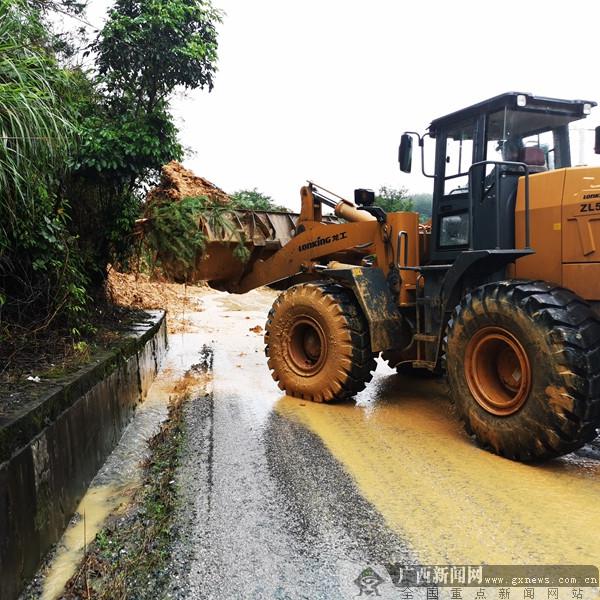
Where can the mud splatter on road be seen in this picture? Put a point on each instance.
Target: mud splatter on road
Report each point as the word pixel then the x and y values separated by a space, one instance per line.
pixel 267 512
pixel 455 502
pixel 284 497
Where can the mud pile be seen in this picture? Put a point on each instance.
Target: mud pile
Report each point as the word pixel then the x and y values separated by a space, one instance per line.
pixel 140 291
pixel 177 182
pixel 209 241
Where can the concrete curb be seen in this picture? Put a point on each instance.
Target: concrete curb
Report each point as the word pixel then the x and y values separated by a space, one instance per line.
pixel 50 452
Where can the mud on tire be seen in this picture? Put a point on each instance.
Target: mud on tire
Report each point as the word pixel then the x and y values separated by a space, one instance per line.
pixel 523 364
pixel 317 343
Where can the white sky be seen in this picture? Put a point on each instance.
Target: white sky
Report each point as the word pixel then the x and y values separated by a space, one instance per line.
pixel 323 89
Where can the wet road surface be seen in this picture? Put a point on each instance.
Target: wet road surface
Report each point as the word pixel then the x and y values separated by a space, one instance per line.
pixel 283 498
pixel 119 477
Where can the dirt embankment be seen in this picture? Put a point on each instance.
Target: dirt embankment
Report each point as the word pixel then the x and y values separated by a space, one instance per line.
pixel 139 291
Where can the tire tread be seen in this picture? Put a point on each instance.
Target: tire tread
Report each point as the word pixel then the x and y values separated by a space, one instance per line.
pixel 574 333
pixel 362 359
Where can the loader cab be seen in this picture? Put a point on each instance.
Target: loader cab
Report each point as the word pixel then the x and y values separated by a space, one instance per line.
pixel 480 154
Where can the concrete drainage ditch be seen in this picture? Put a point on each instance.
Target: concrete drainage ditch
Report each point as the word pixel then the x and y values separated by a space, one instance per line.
pixel 52 449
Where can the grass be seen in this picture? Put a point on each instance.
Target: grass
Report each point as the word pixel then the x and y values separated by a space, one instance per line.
pixel 55 353
pixel 80 355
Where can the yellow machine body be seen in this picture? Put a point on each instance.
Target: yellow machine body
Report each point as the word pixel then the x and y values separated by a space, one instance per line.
pixel 564 229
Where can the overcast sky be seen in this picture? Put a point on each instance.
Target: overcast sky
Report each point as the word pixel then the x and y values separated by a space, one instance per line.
pixel 323 89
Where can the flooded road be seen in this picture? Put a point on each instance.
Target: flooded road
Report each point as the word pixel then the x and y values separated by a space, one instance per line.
pixel 286 498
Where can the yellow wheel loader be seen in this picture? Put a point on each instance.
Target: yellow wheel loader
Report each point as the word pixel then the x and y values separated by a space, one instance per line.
pixel 500 291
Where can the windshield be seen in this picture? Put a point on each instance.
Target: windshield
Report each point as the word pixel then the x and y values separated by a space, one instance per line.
pixel 537 138
pixel 543 139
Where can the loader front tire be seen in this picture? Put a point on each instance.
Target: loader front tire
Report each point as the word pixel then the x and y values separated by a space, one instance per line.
pixel 317 343
pixel 523 364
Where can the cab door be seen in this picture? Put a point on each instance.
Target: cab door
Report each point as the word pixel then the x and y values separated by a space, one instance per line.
pixel 456 150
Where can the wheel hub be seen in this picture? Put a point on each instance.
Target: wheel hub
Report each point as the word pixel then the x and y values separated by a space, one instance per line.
pixel 497 370
pixel 307 346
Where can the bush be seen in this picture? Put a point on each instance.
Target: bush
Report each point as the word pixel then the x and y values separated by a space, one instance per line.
pixel 78 150
pixel 41 274
pixel 255 200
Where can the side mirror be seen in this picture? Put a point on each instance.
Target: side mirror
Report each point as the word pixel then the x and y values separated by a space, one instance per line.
pixel 405 152
pixel 597 144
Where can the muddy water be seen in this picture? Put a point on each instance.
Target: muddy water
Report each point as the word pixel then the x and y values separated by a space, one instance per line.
pixel 277 486
pixel 99 501
pixel 266 511
pixel 455 502
pixel 452 501
pixel 120 475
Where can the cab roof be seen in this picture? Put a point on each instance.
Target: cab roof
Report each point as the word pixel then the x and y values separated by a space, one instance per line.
pixel 555 106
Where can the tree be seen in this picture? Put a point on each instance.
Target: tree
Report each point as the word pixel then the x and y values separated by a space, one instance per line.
pixel 40 275
pixel 422 204
pixel 149 47
pixel 400 199
pixel 146 50
pixel 393 199
pixel 255 200
pixel 78 147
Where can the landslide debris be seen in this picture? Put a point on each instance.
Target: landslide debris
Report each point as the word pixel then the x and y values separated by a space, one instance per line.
pixel 183 215
pixel 140 291
pixel 177 183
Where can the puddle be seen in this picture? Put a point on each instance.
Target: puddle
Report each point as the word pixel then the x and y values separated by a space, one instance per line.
pixel 97 504
pixel 254 300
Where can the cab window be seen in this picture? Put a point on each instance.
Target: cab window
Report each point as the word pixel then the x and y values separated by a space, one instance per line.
pixel 459 158
pixel 538 139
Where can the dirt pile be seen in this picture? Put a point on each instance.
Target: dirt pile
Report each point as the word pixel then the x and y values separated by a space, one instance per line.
pixel 177 182
pixel 139 291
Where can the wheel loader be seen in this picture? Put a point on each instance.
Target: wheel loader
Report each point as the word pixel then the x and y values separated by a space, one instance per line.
pixel 500 290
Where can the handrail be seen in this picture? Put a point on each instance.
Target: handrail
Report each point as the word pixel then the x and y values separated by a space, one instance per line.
pixel 402 235
pixel 520 166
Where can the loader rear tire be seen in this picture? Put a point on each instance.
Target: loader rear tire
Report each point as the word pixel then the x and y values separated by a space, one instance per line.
pixel 317 343
pixel 523 364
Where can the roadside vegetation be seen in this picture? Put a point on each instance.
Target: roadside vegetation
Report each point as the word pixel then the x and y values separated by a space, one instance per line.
pixel 399 199
pixel 85 126
pixel 254 200
pixel 129 556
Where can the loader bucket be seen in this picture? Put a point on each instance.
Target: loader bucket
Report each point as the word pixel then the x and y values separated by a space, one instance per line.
pixel 221 264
